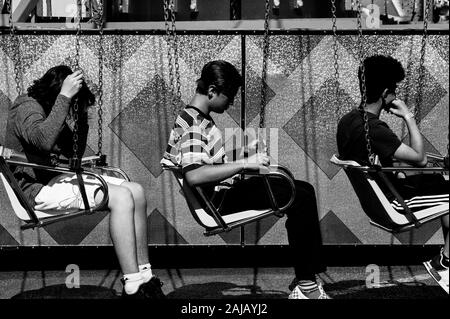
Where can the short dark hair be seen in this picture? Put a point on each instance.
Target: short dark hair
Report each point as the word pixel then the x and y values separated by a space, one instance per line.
pixel 221 74
pixel 46 89
pixel 381 72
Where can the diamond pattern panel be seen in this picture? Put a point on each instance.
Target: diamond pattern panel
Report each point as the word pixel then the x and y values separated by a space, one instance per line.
pixel 302 104
pixel 372 44
pixel 253 106
pixel 288 52
pixel 334 231
pixel 147 122
pixel 5 103
pixel 313 127
pixel 422 93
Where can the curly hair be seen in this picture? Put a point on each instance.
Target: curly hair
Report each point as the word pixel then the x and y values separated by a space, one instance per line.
pixel 46 89
pixel 381 72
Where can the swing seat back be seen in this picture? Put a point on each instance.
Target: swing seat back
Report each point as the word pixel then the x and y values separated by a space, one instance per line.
pixel 23 210
pixel 206 215
pixel 376 205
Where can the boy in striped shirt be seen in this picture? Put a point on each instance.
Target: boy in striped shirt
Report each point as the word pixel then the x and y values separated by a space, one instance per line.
pixel 196 144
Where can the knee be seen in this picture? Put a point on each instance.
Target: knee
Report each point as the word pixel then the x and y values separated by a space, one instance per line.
pixel 121 198
pixel 137 191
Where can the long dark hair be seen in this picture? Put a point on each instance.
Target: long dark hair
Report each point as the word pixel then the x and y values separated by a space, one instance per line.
pixel 46 89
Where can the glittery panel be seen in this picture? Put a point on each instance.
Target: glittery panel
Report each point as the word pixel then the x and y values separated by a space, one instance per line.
pixel 252 105
pixel 5 102
pixel 144 126
pixel 33 47
pixel 117 48
pixel 372 44
pixel 137 119
pixel 313 127
pixel 287 51
pixel 441 44
pixel 198 50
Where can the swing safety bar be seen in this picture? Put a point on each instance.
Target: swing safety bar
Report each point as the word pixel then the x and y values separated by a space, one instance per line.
pixel 374 201
pixel 201 207
pixel 34 220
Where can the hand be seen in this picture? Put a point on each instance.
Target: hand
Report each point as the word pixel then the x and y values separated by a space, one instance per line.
pixel 72 84
pixel 398 108
pixel 257 161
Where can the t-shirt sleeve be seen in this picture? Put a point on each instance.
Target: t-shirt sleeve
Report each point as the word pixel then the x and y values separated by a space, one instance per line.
pixel 383 140
pixel 194 151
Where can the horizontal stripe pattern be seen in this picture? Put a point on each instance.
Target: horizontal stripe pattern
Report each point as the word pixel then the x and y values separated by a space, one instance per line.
pixel 194 139
pixel 421 202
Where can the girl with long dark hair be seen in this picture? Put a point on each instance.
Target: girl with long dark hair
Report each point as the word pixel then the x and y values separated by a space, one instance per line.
pixel 40 124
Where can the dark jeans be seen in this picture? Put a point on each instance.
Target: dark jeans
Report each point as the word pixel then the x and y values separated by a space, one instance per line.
pixel 302 224
pixel 422 185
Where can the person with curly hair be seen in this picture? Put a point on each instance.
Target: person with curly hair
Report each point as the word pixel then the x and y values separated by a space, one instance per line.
pixel 40 124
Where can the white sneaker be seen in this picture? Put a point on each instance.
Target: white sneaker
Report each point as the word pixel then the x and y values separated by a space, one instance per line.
pixel 298 294
pixel 439 274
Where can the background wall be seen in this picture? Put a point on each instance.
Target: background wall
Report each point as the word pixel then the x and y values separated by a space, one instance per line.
pixel 301 105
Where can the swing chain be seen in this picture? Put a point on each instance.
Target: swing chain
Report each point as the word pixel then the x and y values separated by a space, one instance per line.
pixel 100 81
pixel 15 43
pixel 362 106
pixel 335 52
pixel 75 162
pixel 233 9
pixel 172 54
pixel 422 60
pixel 264 66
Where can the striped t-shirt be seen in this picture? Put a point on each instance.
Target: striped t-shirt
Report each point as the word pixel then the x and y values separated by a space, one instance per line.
pixel 194 141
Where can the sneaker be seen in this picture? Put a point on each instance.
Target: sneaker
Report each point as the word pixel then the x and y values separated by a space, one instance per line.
pixel 297 293
pixel 152 289
pixel 438 271
pixel 140 294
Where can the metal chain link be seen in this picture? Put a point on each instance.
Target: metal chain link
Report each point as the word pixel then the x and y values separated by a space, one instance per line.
pixel 335 53
pixel 100 81
pixel 172 52
pixel 175 56
pixel 262 113
pixel 233 9
pixel 264 66
pixel 77 67
pixel 15 45
pixel 421 78
pixel 370 154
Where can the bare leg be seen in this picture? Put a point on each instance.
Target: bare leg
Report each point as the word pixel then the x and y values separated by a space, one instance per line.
pixel 140 221
pixel 121 226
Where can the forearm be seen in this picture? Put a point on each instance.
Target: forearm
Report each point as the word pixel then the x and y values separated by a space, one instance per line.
pixel 213 173
pixel 43 134
pixel 415 138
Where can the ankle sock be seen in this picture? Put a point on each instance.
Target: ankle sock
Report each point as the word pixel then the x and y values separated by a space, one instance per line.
pixel 132 282
pixel 146 272
pixel 309 288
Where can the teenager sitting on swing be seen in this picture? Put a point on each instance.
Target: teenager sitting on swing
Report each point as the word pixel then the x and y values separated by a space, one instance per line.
pixel 196 144
pixel 420 191
pixel 40 124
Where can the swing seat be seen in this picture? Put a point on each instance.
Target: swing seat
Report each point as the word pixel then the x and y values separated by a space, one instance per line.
pixel 206 215
pixel 375 204
pixel 23 210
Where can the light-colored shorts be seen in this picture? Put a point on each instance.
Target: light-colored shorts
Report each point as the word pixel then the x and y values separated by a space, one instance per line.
pixel 62 193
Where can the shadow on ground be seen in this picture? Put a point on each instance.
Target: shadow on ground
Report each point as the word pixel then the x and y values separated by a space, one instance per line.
pixel 62 292
pixel 350 289
pixel 224 290
pixel 356 289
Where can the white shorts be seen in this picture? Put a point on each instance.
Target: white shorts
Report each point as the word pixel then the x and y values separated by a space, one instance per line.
pixel 62 194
